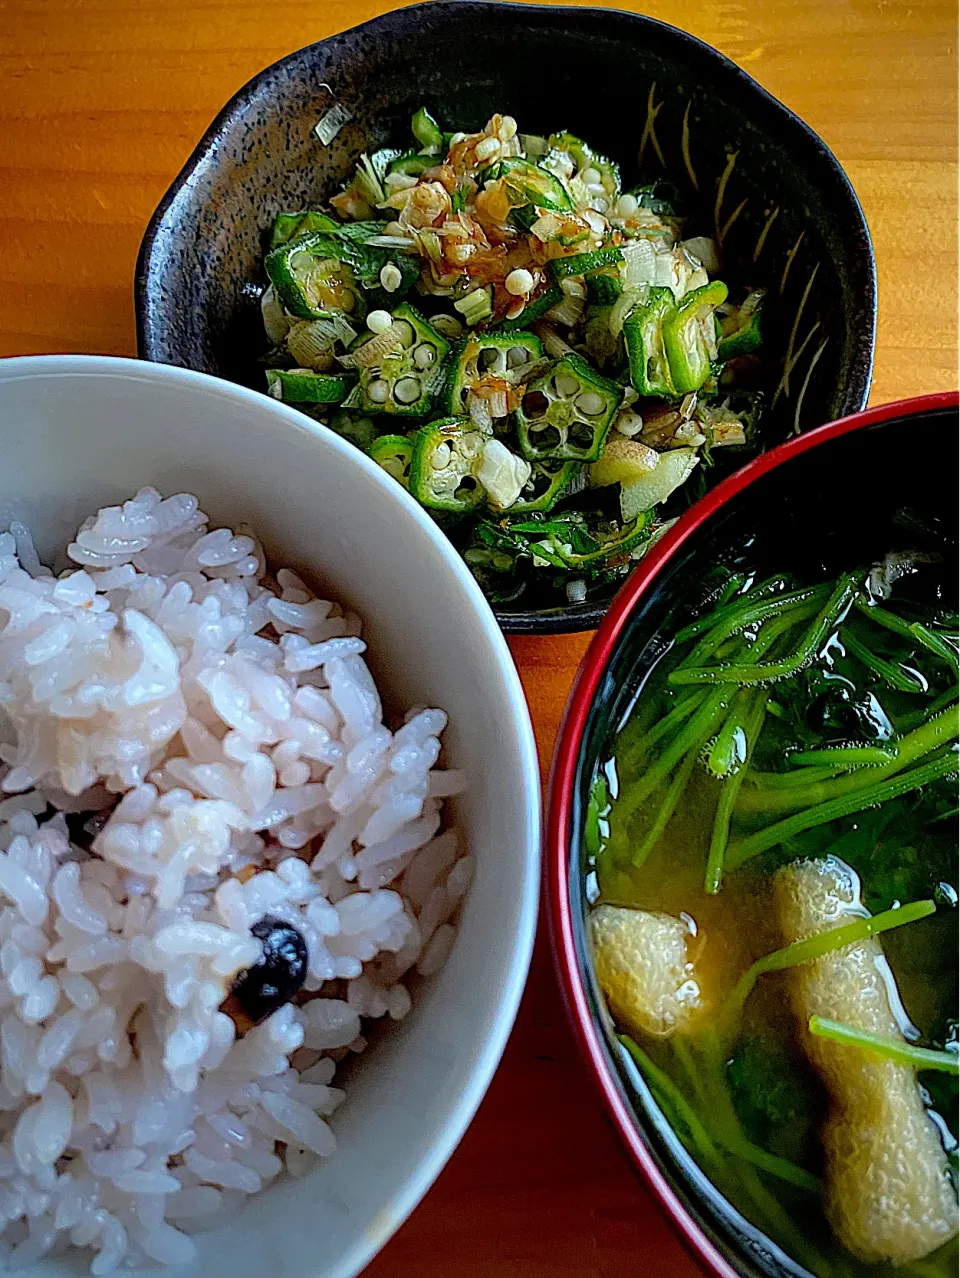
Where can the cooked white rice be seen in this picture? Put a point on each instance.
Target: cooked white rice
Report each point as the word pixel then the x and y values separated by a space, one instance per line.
pixel 235 714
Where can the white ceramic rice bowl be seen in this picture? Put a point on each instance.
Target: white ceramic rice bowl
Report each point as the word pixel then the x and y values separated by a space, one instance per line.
pixel 79 432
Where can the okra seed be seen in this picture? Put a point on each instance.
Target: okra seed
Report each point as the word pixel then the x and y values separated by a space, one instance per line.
pixel 627 205
pixel 590 403
pixel 407 390
pixel 378 392
pixel 424 355
pixel 440 457
pixel 629 423
pixel 403 331
pixel 519 282
pixel 487 149
pixel 379 321
pixel 591 176
pixel 566 385
pixel 390 277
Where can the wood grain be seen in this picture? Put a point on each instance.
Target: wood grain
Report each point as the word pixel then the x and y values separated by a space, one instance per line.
pixel 101 102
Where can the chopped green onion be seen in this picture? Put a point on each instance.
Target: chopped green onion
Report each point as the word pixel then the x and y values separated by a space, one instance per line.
pixel 910 630
pixel 836 608
pixel 669 1097
pixel 666 810
pixel 476 306
pixel 815 947
pixel 841 758
pixel 793 779
pixel 772 1164
pixel 680 1113
pixel 928 737
pixel 892 674
pixel 743 612
pixel 683 710
pixel 728 798
pixel 895 1049
pixel 845 805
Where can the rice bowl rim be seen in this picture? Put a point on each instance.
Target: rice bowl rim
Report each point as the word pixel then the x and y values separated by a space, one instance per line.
pixel 505 1000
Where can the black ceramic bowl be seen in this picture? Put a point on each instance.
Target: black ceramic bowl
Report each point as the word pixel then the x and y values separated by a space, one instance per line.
pixel 832 496
pixel 745 166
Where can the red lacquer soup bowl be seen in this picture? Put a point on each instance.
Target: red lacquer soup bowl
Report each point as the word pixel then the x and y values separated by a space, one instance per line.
pixel 822 499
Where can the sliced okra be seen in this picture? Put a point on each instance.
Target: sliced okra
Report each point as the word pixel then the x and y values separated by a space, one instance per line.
pixel 534 310
pixel 313 278
pixel 530 184
pixel 288 225
pixel 616 544
pixel 304 386
pixel 492 365
pixel 394 453
pixel 689 336
pixel 740 334
pixel 603 289
pixel 566 413
pixel 605 175
pixel 643 332
pixel 549 481
pixel 584 263
pixel 446 454
pixel 405 379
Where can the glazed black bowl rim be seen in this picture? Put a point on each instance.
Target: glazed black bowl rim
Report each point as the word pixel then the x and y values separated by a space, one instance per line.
pixel 570 618
pixel 559 846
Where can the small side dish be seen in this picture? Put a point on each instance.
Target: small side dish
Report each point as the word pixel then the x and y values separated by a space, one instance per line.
pixel 570 365
pixel 782 794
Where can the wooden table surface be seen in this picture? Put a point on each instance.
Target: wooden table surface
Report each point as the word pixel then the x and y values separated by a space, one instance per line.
pixel 101 101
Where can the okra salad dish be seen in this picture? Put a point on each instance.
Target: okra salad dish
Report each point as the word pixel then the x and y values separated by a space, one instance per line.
pixel 539 356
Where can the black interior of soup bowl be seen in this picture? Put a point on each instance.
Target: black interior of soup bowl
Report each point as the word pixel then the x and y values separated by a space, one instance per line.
pixel 825 511
pixel 659 101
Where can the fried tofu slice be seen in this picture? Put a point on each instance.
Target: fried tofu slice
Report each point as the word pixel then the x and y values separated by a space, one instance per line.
pixel 887 1194
pixel 644 969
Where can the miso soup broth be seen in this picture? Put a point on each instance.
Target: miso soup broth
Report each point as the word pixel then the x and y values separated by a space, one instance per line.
pixel 771 878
